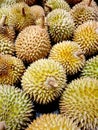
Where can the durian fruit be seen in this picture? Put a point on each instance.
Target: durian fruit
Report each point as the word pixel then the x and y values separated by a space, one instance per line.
pixel 55 4
pixel 44 81
pixel 33 43
pixel 20 16
pixel 80 103
pixel 61 25
pixel 91 68
pixel 16 108
pixel 82 13
pixel 70 55
pixel 73 2
pixel 86 35
pixel 11 69
pixel 52 122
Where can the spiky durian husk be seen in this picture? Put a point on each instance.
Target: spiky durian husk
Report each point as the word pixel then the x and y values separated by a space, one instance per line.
pixel 82 13
pixel 15 107
pixel 61 25
pixel 70 55
pixel 91 68
pixel 86 35
pixel 32 43
pixel 44 81
pixel 20 16
pixel 80 103
pixel 52 122
pixel 6 3
pixel 11 69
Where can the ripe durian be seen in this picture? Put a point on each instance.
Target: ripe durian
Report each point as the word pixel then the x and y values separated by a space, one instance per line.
pixel 33 43
pixel 11 69
pixel 16 108
pixel 20 16
pixel 80 103
pixel 82 13
pixel 91 68
pixel 52 122
pixel 70 55
pixel 86 35
pixel 44 81
pixel 61 25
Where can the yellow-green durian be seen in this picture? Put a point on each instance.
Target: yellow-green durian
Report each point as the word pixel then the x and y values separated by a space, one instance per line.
pixel 61 25
pixel 91 68
pixel 70 55
pixel 52 122
pixel 86 35
pixel 44 81
pixel 80 103
pixel 16 108
pixel 20 16
pixel 11 69
pixel 82 13
pixel 32 43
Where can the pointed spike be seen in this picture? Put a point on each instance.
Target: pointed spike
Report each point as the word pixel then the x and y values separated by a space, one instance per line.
pixel 2 20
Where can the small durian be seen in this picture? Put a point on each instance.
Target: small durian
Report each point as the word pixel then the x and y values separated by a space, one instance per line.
pixel 70 55
pixel 33 43
pixel 20 16
pixel 61 25
pixel 16 108
pixel 91 68
pixel 86 35
pixel 80 103
pixel 82 13
pixel 11 69
pixel 52 122
pixel 44 81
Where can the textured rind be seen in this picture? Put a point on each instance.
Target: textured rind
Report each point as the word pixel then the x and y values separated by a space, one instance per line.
pixel 61 25
pixel 18 19
pixel 32 43
pixel 91 68
pixel 11 69
pixel 86 35
pixel 65 53
pixel 15 107
pixel 80 103
pixel 52 122
pixel 6 3
pixel 81 14
pixel 35 80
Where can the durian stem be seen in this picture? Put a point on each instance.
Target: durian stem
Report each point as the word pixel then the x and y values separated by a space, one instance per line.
pixel 51 82
pixel 23 12
pixel 79 53
pixel 2 21
pixel 43 21
pixel 89 3
pixel 2 125
pixel 49 7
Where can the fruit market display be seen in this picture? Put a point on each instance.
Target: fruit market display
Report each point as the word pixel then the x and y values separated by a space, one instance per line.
pixel 48 65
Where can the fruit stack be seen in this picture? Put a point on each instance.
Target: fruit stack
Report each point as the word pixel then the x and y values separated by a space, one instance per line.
pixel 48 65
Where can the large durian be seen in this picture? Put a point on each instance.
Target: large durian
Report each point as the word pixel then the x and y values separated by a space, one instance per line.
pixel 16 108
pixel 61 25
pixel 91 68
pixel 86 35
pixel 52 122
pixel 44 81
pixel 33 43
pixel 80 103
pixel 70 55
pixel 11 69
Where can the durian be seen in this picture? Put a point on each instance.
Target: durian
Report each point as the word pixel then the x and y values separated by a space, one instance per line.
pixel 80 103
pixel 44 81
pixel 91 68
pixel 33 43
pixel 82 13
pixel 70 55
pixel 86 35
pixel 20 16
pixel 16 108
pixel 11 69
pixel 61 25
pixel 52 122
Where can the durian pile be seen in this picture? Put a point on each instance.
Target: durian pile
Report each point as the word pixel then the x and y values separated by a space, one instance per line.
pixel 48 65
